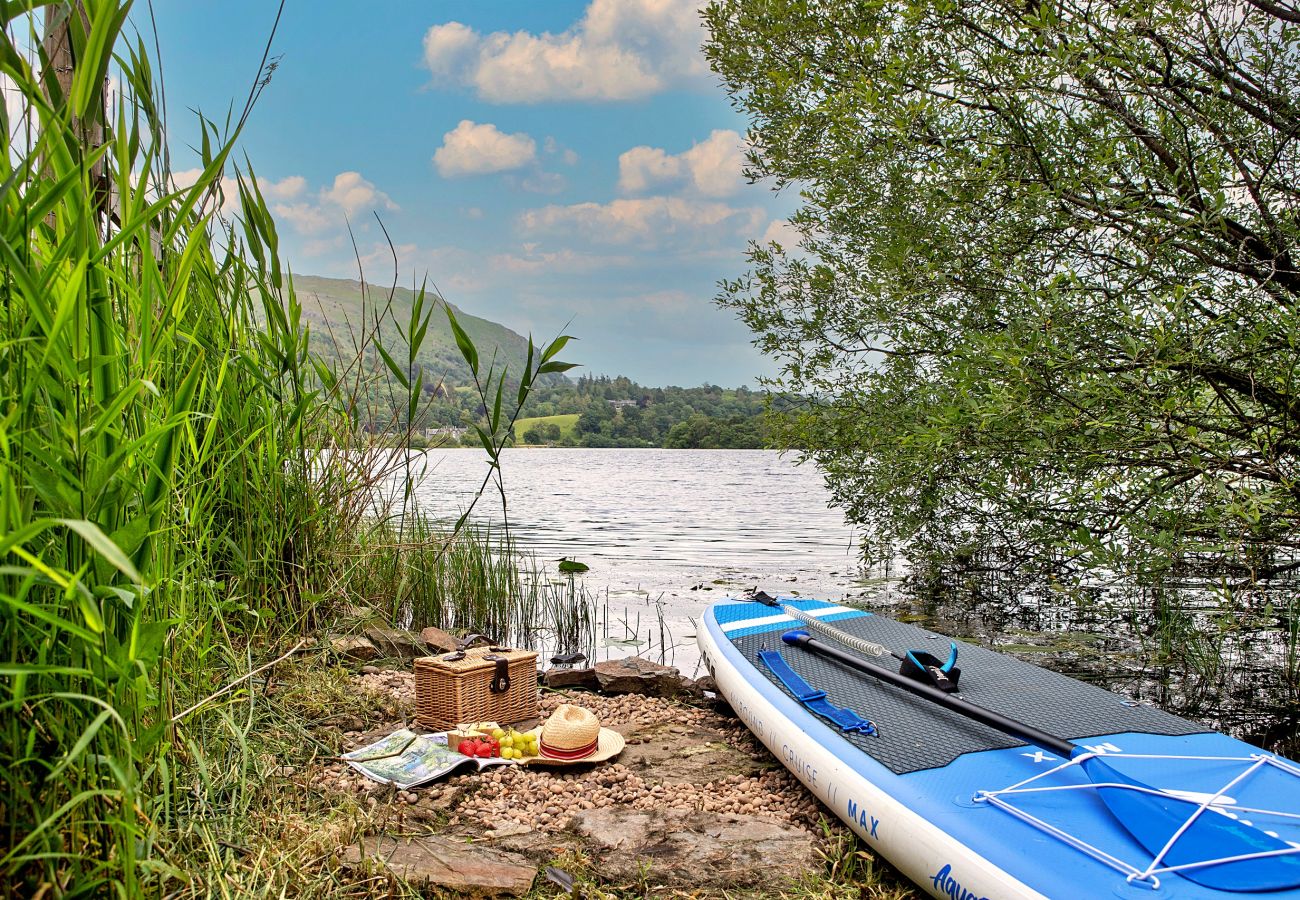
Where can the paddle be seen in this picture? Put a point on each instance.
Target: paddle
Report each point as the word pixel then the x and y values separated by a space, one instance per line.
pixel 916 663
pixel 1177 832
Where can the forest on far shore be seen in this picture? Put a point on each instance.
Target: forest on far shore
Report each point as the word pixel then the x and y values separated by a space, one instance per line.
pixel 600 411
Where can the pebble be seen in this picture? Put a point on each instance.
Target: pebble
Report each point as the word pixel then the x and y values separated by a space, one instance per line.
pixel 546 798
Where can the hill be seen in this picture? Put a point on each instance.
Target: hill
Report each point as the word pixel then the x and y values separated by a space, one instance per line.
pixel 593 411
pixel 340 311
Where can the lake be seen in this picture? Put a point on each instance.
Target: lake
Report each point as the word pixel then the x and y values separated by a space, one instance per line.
pixel 664 531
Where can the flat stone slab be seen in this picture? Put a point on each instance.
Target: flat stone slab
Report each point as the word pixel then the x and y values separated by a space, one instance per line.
pixel 667 753
pixel 467 869
pixel 396 642
pixel 695 849
pixel 438 640
pixel 571 678
pixel 354 648
pixel 634 675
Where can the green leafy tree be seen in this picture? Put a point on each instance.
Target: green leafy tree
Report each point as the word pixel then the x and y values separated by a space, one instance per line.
pixel 1045 297
pixel 596 419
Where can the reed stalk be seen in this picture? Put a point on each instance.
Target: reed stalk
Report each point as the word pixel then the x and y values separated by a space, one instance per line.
pixel 184 493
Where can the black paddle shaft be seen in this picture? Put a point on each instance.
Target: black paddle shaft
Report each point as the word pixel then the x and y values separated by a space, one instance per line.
pixel 1020 730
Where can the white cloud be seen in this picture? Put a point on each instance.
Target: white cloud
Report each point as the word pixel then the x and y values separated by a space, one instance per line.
pixel 285 189
pixel 479 149
pixel 349 196
pixel 544 183
pixel 568 155
pixel 712 167
pixel 618 50
pixel 643 167
pixel 533 261
pixel 780 231
pixel 306 218
pixel 449 48
pixel 22 124
pixel 354 194
pixel 648 221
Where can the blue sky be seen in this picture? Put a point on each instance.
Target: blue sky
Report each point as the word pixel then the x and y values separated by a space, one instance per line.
pixel 552 166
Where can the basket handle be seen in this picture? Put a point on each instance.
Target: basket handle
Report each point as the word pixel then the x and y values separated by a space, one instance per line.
pixel 468 640
pixel 501 677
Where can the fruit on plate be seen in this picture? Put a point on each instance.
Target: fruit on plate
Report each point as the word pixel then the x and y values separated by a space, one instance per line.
pixel 506 743
pixel 522 743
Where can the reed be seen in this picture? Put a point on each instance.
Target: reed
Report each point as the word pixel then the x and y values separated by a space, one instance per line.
pixel 183 488
pixel 477 580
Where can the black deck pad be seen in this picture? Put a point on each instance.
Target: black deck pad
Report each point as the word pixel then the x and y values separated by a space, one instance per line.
pixel 915 734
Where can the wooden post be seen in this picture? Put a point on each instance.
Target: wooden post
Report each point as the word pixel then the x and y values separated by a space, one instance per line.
pixel 61 64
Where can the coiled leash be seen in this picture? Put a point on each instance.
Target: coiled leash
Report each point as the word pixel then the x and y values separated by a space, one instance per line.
pixel 918 665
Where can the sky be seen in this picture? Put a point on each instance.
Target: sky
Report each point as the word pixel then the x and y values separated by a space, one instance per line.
pixel 557 167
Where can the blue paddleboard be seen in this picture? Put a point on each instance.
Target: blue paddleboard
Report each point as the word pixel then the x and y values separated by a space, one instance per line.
pixel 969 812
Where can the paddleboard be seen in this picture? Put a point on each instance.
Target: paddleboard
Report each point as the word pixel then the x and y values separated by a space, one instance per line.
pixel 970 813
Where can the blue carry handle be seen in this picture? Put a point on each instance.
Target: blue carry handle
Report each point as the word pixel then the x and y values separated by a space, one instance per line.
pixel 848 721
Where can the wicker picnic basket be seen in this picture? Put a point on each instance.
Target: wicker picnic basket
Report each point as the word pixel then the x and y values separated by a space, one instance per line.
pixel 483 684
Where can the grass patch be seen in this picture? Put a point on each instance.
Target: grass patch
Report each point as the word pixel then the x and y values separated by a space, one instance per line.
pixel 568 425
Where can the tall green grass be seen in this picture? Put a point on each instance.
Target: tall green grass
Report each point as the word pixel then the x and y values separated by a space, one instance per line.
pixel 182 493
pixel 157 406
pixel 479 581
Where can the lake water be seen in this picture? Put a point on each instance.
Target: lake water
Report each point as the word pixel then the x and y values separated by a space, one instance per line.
pixel 664 531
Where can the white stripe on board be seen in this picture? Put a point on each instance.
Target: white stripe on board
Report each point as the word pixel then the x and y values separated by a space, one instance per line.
pixel 782 619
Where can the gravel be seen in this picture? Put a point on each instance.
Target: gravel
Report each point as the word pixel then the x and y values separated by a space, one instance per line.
pixel 546 798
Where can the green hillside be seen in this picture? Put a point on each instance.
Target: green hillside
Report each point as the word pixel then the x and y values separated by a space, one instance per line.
pixel 567 425
pixel 339 313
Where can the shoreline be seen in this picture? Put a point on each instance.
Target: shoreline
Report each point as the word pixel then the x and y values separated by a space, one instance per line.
pixel 694 806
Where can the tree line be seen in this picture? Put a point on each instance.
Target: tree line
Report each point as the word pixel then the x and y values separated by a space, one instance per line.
pixel 618 412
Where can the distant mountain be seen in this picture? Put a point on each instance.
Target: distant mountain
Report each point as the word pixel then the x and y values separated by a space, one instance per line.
pixel 339 312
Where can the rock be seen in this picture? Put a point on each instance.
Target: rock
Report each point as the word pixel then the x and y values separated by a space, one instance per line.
pixel 370 670
pixel 508 830
pixel 354 648
pixel 396 641
pixel 691 690
pixel 706 683
pixel 667 753
pixel 634 675
pixel 690 849
pixel 571 678
pixel 438 640
pixel 449 797
pixel 452 865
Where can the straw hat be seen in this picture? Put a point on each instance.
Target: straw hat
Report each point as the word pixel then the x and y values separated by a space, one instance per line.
pixel 573 735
